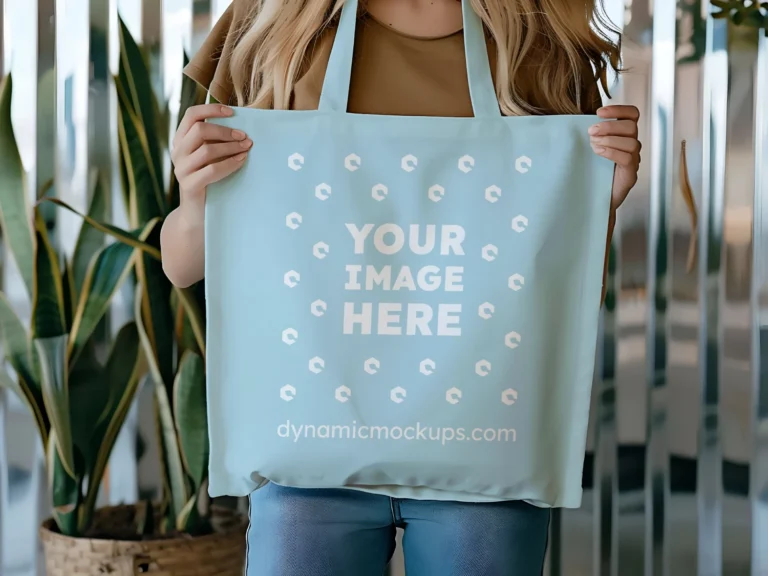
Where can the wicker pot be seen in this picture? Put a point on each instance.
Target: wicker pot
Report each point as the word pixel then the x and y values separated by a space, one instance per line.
pixel 221 553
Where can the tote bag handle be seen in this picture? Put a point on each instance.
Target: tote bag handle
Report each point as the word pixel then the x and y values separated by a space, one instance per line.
pixel 335 94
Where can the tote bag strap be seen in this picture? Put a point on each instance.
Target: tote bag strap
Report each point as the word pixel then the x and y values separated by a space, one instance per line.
pixel 335 93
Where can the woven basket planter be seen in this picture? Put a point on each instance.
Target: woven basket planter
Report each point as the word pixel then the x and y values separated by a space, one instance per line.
pixel 221 553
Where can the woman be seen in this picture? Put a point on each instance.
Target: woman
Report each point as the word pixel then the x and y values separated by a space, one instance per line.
pixel 409 61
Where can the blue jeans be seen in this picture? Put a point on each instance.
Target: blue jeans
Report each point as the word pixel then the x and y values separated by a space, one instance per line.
pixel 309 532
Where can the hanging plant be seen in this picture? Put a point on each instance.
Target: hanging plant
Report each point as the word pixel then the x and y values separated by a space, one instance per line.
pixel 753 13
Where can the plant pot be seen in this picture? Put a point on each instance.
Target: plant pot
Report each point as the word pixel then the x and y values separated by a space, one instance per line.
pixel 221 553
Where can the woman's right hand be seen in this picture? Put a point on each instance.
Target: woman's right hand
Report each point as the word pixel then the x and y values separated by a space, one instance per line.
pixel 204 153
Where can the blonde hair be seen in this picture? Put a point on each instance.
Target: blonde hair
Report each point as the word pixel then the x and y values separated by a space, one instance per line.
pixel 568 42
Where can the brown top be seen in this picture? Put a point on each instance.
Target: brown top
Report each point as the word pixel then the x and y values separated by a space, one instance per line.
pixel 394 73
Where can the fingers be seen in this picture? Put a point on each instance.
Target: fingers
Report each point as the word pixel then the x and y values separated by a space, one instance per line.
pixel 199 134
pixel 626 128
pixel 208 153
pixel 619 157
pixel 195 114
pixel 629 145
pixel 214 172
pixel 620 112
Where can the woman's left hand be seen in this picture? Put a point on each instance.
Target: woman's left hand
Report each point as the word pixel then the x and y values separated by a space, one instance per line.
pixel 616 140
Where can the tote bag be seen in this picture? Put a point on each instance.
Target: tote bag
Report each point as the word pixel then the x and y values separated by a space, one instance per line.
pixel 405 301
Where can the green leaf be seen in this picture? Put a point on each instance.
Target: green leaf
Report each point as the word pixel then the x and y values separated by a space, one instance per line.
pixel 90 240
pixel 15 212
pixel 48 319
pixel 756 19
pixel 158 314
pixel 174 468
pixel 65 489
pixel 145 519
pixel 189 521
pixel 130 238
pixel 89 400
pixel 135 83
pixel 17 345
pixel 106 274
pixel 19 353
pixel 68 285
pixel 121 377
pixel 190 407
pixel 54 373
pixel 8 383
pixel 145 195
pixel 108 269
pixel 193 316
pixel 191 95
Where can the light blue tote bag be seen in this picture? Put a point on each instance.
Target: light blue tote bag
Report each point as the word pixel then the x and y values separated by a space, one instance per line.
pixel 406 303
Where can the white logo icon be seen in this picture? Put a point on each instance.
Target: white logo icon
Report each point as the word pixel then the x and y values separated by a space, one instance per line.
pixel 343 393
pixel 486 310
pixel 516 282
pixel 466 163
pixel 352 162
pixel 379 192
pixel 409 163
pixel 287 392
pixel 318 308
pixel 290 336
pixel 490 252
pixel 322 191
pixel 509 396
pixel 293 220
pixel 453 396
pixel 372 366
pixel 436 193
pixel 519 223
pixel 295 161
pixel 291 278
pixel 523 164
pixel 320 250
pixel 316 365
pixel 427 366
pixel 483 368
pixel 397 395
pixel 492 193
pixel 512 340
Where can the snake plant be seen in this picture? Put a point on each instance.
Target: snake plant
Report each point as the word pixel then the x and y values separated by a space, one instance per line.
pixel 169 321
pixel 79 400
pixel 753 13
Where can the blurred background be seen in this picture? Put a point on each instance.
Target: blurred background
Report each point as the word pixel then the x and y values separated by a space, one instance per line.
pixel 676 474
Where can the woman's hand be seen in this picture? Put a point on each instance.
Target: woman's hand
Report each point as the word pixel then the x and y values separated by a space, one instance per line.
pixel 204 153
pixel 617 141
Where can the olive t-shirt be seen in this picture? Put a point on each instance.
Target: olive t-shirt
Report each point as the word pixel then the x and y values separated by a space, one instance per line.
pixel 393 74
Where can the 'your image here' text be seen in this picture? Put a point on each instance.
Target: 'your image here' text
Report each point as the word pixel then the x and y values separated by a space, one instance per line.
pixel 397 319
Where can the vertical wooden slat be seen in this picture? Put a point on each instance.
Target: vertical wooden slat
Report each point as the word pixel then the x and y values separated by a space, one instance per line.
pixel 759 308
pixel 606 499
pixel 201 22
pixel 46 124
pixel 630 284
pixel 4 468
pixel 709 461
pixel 152 41
pixel 657 538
